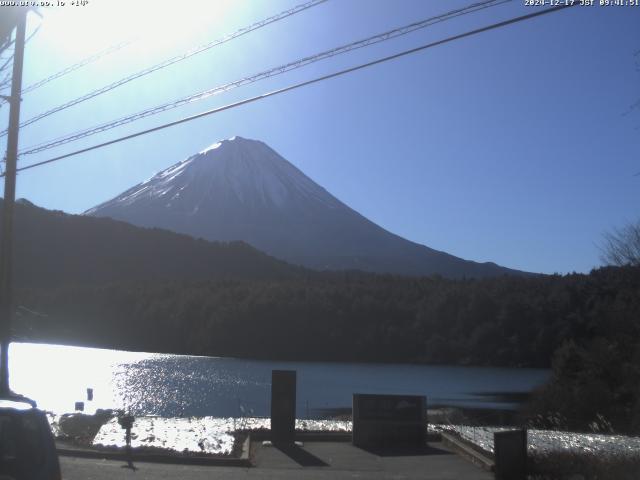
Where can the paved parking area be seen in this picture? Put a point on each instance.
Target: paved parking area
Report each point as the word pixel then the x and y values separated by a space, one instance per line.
pixel 315 460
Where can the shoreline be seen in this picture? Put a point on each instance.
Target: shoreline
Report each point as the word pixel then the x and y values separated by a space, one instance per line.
pixel 550 452
pixel 25 339
pixel 220 436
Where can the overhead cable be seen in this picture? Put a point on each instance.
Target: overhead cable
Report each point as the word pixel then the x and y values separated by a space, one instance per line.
pixel 279 70
pixel 303 84
pixel 171 61
pixel 72 68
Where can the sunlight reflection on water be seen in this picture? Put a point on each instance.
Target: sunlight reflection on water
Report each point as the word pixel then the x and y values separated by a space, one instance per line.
pixel 176 385
pixel 57 376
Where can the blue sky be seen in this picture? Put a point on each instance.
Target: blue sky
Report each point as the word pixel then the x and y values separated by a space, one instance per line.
pixel 511 146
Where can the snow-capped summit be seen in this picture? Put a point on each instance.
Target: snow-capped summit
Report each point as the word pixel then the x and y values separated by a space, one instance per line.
pixel 235 170
pixel 241 189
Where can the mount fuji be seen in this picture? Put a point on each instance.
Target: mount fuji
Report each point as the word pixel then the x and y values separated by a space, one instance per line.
pixel 240 189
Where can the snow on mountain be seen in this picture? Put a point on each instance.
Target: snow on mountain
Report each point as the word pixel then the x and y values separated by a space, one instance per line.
pixel 240 189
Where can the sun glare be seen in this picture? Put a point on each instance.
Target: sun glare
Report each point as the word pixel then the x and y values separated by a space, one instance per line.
pixel 75 29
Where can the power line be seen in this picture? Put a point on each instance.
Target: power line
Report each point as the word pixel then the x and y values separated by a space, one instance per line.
pixel 279 70
pixel 7 62
pixel 71 68
pixel 4 100
pixel 171 61
pixel 78 65
pixel 305 83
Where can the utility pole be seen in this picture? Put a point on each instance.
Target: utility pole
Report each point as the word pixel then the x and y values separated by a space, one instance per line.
pixel 6 245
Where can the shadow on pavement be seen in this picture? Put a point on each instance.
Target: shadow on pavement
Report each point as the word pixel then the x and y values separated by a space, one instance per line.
pixel 405 451
pixel 300 456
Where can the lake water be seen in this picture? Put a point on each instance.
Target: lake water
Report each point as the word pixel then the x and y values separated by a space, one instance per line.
pixel 178 385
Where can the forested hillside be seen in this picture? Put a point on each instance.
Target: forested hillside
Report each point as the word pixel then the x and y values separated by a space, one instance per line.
pixel 54 248
pixel 98 282
pixel 351 316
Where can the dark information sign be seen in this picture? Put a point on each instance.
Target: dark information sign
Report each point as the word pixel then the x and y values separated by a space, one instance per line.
pixel 389 420
pixel 283 406
pixel 510 450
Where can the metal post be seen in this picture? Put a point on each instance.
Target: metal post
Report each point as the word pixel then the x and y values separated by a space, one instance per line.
pixel 6 246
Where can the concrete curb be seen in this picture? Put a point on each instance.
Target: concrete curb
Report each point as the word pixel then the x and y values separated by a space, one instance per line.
pixel 326 436
pixel 241 461
pixel 307 436
pixel 467 451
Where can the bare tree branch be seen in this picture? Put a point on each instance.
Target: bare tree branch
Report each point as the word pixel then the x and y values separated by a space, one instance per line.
pixel 621 246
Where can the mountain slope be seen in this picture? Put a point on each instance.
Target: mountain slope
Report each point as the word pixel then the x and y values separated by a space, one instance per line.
pixel 52 248
pixel 241 189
